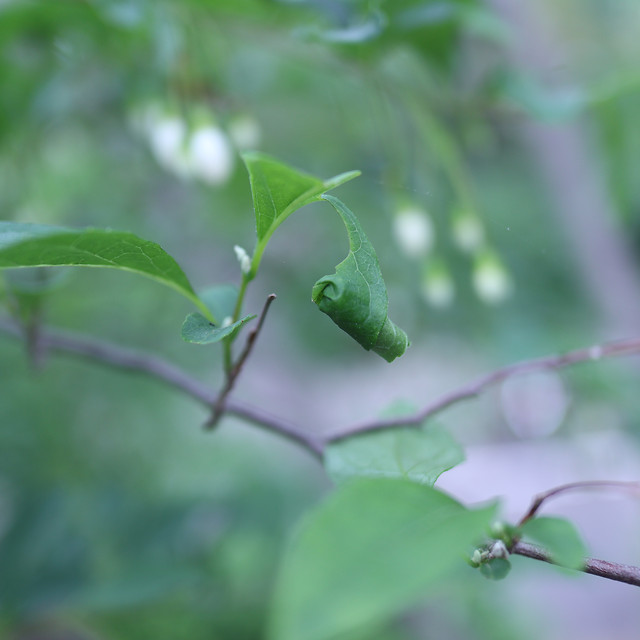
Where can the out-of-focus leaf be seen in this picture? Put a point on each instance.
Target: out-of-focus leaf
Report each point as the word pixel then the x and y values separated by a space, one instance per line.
pixel 560 538
pixel 416 454
pixel 220 300
pixel 33 245
pixel 545 104
pixel 370 551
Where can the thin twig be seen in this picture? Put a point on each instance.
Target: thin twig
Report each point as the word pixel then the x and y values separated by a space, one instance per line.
pixel 539 500
pixel 218 407
pixel 603 568
pixel 67 343
pixel 475 388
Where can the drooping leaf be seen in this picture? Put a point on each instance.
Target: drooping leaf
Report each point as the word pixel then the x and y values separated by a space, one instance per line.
pixel 559 538
pixel 198 330
pixel 278 190
pixel 369 552
pixel 355 297
pixel 32 245
pixel 416 454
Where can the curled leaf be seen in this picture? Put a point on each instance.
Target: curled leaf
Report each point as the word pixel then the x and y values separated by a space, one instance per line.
pixel 355 297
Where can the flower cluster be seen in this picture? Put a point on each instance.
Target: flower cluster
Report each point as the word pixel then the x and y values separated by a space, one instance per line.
pixel 415 233
pixel 200 150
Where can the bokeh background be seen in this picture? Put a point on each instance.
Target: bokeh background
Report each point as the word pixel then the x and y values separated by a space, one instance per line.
pixel 500 149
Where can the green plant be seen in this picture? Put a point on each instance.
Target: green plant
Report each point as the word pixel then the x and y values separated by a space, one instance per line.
pixel 385 536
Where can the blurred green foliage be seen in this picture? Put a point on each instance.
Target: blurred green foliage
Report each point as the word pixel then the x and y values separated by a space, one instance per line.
pixel 118 518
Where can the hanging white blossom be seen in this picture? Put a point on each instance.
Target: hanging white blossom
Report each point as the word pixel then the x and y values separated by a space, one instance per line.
pixel 211 157
pixel 245 132
pixel 413 231
pixel 438 288
pixel 167 137
pixel 491 281
pixel 468 233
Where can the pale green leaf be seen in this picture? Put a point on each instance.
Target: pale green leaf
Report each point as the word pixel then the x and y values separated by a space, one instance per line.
pixel 416 454
pixel 221 301
pixel 32 245
pixel 559 538
pixel 198 330
pixel 370 551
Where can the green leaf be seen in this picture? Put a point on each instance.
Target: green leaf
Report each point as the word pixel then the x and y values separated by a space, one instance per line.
pixel 370 551
pixel 32 245
pixel 198 330
pixel 559 538
pixel 221 301
pixel 355 297
pixel 279 190
pixel 416 454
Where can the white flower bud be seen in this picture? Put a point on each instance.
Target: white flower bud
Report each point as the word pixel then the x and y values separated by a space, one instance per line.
pixel 476 557
pixel 491 281
pixel 468 233
pixel 211 157
pixel 413 231
pixel 245 132
pixel 438 288
pixel 166 138
pixel 243 259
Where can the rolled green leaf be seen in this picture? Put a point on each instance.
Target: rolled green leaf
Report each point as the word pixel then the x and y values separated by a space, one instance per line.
pixel 355 297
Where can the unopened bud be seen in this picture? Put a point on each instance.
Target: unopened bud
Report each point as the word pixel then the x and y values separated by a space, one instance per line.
pixel 243 259
pixel 413 231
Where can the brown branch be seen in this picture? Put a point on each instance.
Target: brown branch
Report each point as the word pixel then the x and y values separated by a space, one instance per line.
pixel 133 361
pixel 219 405
pixel 602 568
pixel 539 500
pixel 475 388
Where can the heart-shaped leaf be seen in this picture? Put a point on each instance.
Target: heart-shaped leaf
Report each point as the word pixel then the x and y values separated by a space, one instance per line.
pixel 416 454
